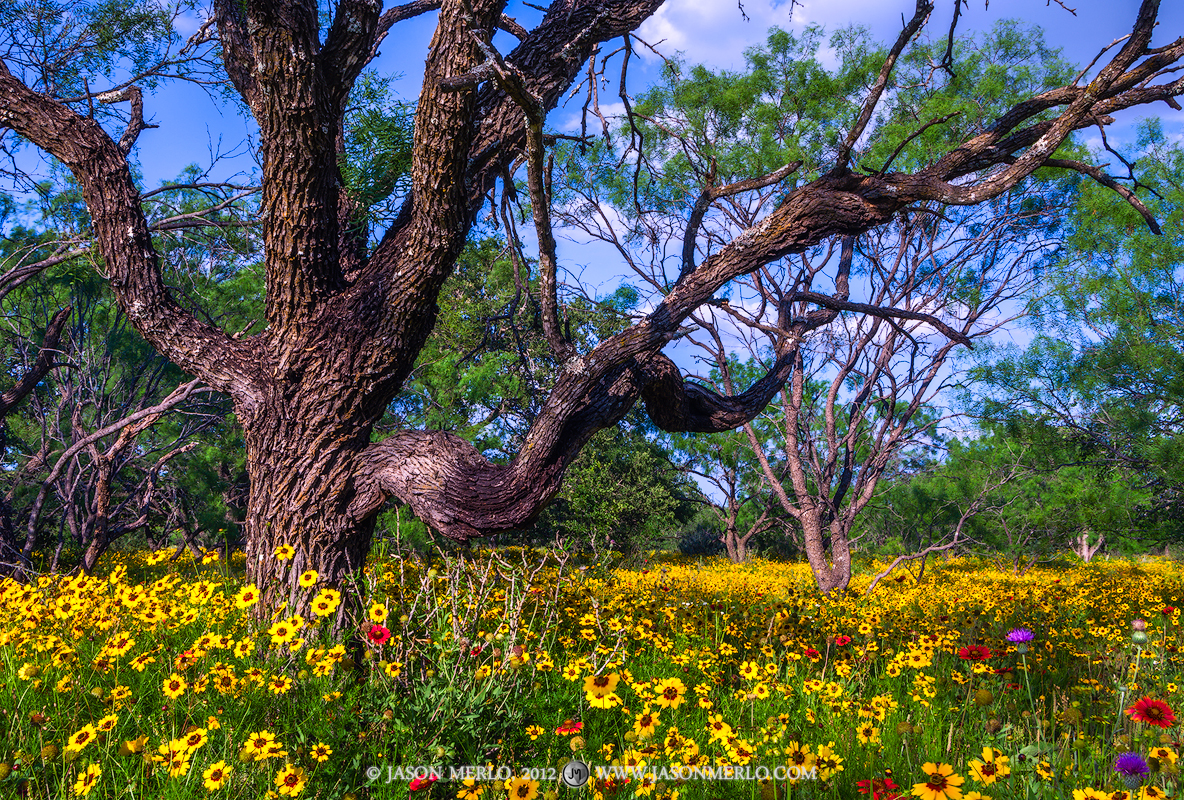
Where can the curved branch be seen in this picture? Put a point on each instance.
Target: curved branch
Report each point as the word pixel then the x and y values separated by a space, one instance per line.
pixel 677 405
pixel 44 363
pixel 1118 82
pixel 1111 184
pixel 122 236
pixel 458 492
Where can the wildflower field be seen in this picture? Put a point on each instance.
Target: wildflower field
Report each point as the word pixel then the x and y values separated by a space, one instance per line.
pixel 483 676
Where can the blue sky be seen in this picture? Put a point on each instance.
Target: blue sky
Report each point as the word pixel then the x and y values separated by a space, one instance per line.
pixel 712 32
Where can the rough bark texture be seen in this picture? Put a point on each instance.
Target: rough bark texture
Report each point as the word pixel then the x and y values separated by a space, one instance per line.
pixel 344 328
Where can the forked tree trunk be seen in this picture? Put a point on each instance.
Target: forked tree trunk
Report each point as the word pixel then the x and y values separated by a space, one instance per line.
pixel 737 545
pixel 1085 549
pixel 834 573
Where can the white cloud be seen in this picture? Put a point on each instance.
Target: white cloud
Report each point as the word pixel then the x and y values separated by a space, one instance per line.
pixel 717 33
pixel 712 32
pixel 187 24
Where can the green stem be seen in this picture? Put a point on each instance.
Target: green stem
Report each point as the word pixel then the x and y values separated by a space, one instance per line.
pixel 1122 690
pixel 1031 702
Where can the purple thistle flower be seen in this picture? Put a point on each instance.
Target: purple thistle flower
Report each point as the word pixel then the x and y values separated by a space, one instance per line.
pixel 1132 768
pixel 1020 636
pixel 1130 764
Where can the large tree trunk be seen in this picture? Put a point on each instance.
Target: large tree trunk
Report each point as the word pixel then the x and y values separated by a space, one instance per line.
pixel 737 546
pixel 301 457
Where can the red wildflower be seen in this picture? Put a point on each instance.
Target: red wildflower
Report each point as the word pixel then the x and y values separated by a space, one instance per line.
pixel 812 653
pixel 1168 611
pixel 974 652
pixel 879 788
pixel 842 640
pixel 423 782
pixel 1152 712
pixel 378 635
pixel 569 726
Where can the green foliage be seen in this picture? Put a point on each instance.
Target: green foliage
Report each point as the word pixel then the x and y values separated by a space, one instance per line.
pixel 1101 386
pixel 54 46
pixel 622 493
pixel 1029 495
pixel 377 158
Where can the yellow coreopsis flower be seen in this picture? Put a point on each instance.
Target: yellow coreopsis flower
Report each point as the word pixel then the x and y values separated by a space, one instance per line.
pixel 174 686
pixel 216 776
pixel 290 780
pixel 81 738
pixel 942 783
pixel 671 693
pixel 645 724
pixel 601 685
pixel 87 780
pixel 522 788
pixel 868 733
pixel 994 765
pixel 326 602
pixel 246 597
pixel 829 763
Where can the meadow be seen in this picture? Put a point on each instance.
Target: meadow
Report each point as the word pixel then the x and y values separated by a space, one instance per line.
pixel 482 676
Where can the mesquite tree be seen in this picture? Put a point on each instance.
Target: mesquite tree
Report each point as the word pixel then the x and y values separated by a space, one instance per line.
pixel 345 319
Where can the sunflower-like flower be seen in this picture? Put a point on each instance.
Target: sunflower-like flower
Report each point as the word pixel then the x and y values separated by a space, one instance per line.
pixel 993 766
pixel 87 780
pixel 943 783
pixel 671 693
pixel 290 780
pixel 216 776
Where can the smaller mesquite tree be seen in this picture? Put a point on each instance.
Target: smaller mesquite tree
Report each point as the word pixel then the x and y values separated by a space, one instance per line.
pixel 346 317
